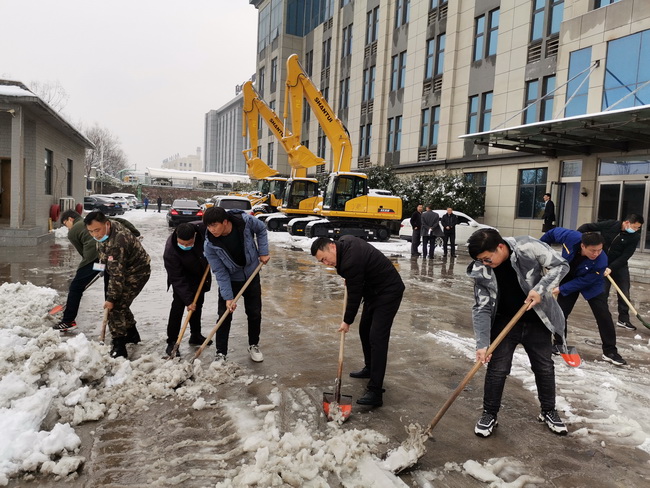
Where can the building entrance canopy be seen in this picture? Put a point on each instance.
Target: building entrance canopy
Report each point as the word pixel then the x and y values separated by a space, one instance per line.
pixel 621 130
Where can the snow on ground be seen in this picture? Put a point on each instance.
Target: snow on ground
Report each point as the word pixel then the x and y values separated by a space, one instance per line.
pixel 50 383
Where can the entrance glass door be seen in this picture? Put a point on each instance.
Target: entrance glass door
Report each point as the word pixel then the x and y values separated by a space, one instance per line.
pixel 617 200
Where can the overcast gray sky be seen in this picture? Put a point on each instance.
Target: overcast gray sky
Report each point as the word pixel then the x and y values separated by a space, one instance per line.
pixel 147 70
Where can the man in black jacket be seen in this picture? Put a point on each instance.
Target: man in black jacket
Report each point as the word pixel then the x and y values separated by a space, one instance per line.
pixel 371 276
pixel 449 222
pixel 185 265
pixel 621 240
pixel 549 213
pixel 416 224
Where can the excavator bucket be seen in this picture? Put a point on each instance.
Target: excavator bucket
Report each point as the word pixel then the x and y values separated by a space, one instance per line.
pixel 258 169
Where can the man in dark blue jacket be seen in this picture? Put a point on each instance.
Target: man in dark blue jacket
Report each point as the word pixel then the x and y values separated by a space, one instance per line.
pixel 235 244
pixel 621 240
pixel 185 265
pixel 587 265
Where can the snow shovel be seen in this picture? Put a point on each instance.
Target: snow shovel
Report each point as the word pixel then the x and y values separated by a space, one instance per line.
pixel 102 336
pixel 618 290
pixel 60 308
pixel 337 406
pixel 226 313
pixel 413 448
pixel 189 314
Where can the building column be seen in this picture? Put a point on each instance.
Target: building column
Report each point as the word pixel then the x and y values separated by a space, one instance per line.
pixel 17 202
pixel 588 184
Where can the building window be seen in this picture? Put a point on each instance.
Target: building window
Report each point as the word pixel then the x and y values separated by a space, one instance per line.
pixel 398 71
pixel 480 113
pixel 274 73
pixel 603 3
pixel 309 63
pixel 402 11
pixel 261 78
pixel 344 87
pixel 365 139
pixel 547 17
pixel 548 87
pixel 430 124
pixel 320 150
pixel 270 155
pixel 49 163
pixel 344 3
pixel 434 64
pixel 327 48
pixel 479 179
pixel 394 134
pixel 539 100
pixel 372 25
pixel 578 85
pixel 368 84
pixel 69 177
pixel 306 113
pixel 626 72
pixel 347 41
pixel 532 186
pixel 440 54
pixel 436 3
pixel 486 33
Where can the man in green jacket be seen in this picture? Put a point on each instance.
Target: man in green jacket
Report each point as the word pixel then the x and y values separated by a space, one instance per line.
pixel 86 246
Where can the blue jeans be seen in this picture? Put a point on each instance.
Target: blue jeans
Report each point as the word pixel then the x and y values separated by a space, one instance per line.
pixel 536 339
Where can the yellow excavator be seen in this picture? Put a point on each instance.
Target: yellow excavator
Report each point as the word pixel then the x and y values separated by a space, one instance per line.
pixel 270 186
pixel 347 207
pixel 301 194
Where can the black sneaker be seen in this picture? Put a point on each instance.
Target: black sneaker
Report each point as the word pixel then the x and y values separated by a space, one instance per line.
pixel 198 341
pixel 625 325
pixel 556 350
pixel 170 348
pixel 614 358
pixel 372 398
pixel 553 421
pixel 362 373
pixel 485 424
pixel 220 357
pixel 133 336
pixel 63 326
pixel 119 348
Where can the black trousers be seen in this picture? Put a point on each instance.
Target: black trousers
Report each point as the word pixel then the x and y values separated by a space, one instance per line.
pixel 428 245
pixel 536 339
pixel 176 316
pixel 374 330
pixel 253 305
pixel 84 275
pixel 451 238
pixel 415 241
pixel 622 278
pixel 598 305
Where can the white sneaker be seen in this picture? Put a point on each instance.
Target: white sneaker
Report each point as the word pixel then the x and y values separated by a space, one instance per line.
pixel 255 353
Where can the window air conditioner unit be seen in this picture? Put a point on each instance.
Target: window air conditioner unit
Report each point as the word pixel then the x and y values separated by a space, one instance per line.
pixel 66 204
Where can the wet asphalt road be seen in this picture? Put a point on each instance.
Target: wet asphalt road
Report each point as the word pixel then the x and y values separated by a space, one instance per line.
pixel 302 309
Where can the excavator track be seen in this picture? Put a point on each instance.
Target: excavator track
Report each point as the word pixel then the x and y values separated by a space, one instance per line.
pixel 368 230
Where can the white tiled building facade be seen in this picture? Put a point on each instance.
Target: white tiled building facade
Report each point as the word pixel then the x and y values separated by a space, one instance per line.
pixel 409 78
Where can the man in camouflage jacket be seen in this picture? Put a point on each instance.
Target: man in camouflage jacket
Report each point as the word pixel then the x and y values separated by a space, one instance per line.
pixel 127 266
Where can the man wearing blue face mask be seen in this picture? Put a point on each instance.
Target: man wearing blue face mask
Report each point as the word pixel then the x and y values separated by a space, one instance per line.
pixel 621 240
pixel 185 265
pixel 124 260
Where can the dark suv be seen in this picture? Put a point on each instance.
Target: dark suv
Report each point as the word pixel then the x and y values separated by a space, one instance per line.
pixel 106 205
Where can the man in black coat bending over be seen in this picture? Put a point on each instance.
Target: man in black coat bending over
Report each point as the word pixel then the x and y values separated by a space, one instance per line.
pixel 371 276
pixel 185 265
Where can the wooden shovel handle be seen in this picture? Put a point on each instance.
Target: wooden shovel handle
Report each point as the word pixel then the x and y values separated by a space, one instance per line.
pixel 189 314
pixel 102 336
pixel 475 368
pixel 621 294
pixel 227 312
pixel 339 373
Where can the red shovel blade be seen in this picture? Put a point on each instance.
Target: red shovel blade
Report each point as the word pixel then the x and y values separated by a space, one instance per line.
pixel 344 408
pixel 571 356
pixel 56 309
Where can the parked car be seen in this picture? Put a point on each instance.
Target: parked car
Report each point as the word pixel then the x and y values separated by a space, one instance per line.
pixel 465 228
pixel 230 202
pixel 104 204
pixel 183 211
pixel 121 200
pixel 130 197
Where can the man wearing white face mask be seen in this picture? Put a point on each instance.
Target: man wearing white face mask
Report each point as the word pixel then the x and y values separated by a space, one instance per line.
pixel 621 240
pixel 185 265
pixel 124 260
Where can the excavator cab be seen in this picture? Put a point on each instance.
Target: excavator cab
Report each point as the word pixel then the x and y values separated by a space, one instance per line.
pixel 301 194
pixel 341 188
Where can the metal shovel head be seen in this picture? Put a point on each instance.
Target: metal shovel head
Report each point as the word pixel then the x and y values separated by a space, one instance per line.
pixel 336 411
pixel 571 356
